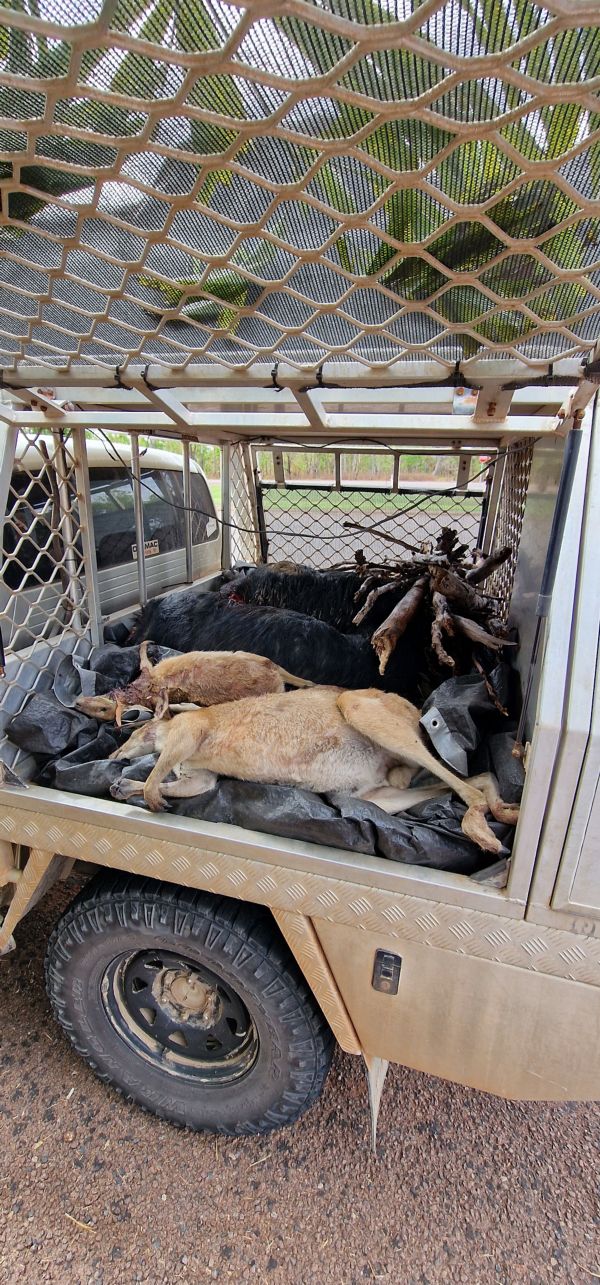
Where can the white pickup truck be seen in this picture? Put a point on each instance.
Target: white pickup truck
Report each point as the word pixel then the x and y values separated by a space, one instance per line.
pixel 303 231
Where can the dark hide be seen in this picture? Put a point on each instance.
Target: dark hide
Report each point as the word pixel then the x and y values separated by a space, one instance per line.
pixel 326 595
pixel 306 647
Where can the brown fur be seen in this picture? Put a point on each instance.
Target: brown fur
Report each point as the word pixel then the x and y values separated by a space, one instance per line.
pixel 364 742
pixel 201 677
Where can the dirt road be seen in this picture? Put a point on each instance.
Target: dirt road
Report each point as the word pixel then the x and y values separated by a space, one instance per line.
pixel 466 1188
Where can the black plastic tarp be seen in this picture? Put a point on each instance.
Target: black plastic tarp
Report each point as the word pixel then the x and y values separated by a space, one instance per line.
pixel 73 754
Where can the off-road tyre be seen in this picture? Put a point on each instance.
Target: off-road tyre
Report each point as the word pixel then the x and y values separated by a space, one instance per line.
pixel 287 1041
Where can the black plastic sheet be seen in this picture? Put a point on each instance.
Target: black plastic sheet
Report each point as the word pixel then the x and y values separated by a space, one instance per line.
pixel 120 665
pixel 74 754
pixel 466 708
pixel 88 769
pixel 495 754
pixel 433 838
pixel 45 727
pixel 72 680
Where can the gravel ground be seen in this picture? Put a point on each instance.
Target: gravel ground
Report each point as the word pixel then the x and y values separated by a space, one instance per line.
pixel 466 1188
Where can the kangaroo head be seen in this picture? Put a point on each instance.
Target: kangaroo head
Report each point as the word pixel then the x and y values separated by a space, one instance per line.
pixel 101 707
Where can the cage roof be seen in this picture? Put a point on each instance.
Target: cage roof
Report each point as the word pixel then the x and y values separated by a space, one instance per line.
pixel 367 182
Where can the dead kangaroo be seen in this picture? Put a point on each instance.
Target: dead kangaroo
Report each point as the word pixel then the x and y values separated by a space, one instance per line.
pixel 363 742
pixel 200 677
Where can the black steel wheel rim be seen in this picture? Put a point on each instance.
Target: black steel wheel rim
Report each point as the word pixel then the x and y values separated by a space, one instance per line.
pixel 180 1016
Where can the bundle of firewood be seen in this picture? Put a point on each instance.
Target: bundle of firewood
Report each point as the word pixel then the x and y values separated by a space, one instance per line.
pixel 442 581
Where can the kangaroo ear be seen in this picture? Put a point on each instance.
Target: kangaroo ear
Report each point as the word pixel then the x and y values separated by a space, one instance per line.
pixel 161 709
pixel 145 662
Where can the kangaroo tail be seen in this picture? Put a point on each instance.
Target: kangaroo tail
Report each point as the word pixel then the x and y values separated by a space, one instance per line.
pixel 292 680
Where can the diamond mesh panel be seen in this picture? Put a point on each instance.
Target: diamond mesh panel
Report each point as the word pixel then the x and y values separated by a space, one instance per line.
pixel 243 532
pixel 44 608
pixel 323 525
pixel 354 179
pixel 509 518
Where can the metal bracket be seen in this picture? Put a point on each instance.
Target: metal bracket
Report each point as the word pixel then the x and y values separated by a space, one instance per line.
pixel 376 1069
pixel 35 878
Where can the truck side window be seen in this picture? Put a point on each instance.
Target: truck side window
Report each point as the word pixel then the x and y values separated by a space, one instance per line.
pixel 28 525
pixel 162 500
pixel 203 527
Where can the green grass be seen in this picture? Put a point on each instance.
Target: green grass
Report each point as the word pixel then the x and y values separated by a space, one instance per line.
pixel 327 502
pixel 214 486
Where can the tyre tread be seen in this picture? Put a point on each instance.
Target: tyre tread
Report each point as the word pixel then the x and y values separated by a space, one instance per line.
pixel 244 920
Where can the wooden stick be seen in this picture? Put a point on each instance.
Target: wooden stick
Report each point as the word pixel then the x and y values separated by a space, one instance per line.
pixel 491 690
pixel 441 624
pixel 385 638
pixel 381 535
pixel 457 590
pixel 484 568
pixel 472 630
pixel 370 582
pixel 372 599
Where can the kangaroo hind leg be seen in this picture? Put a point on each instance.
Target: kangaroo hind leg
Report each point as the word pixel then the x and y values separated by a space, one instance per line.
pixel 392 722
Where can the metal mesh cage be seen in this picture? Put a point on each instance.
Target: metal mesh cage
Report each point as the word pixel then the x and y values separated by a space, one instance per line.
pixel 362 181
pixel 278 519
pixel 382 503
pixel 45 593
pixel 49 599
pixel 508 520
pixel 321 526
pixel 240 516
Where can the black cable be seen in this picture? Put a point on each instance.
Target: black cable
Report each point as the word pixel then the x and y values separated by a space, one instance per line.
pixel 449 493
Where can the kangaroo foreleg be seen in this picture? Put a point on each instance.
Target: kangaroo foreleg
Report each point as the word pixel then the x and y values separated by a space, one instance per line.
pixel 185 787
pixel 124 789
pixel 161 706
pixel 177 749
pixel 145 662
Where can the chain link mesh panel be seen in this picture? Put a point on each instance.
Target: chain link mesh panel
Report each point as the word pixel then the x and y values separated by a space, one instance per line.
pixel 324 525
pixel 44 598
pixel 373 181
pixel 314 525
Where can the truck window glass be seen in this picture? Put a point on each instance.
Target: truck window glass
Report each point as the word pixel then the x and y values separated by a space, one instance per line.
pixel 203 527
pixel 162 498
pixel 28 524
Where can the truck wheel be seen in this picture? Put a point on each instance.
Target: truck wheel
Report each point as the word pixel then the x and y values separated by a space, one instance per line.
pixel 188 1004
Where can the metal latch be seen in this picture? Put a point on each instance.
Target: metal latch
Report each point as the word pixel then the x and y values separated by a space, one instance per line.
pixel 386 972
pixel 445 742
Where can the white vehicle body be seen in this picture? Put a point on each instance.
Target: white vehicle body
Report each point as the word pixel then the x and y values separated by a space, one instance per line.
pixel 336 227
